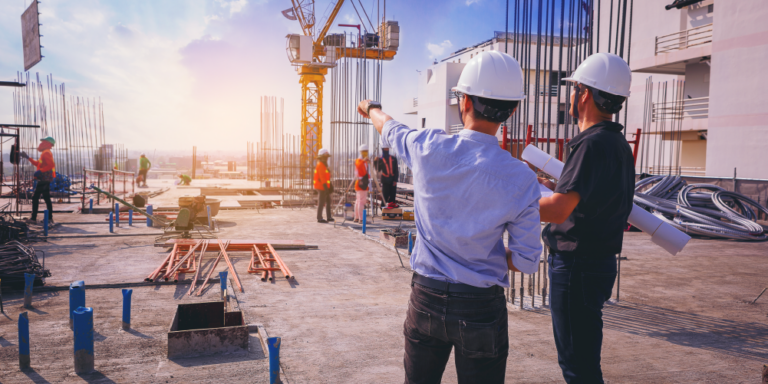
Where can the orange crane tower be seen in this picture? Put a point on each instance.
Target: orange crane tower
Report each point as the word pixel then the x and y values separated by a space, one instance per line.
pixel 314 54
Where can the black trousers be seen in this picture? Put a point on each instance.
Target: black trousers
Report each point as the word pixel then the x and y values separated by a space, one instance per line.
pixel 389 190
pixel 43 189
pixel 323 199
pixel 579 288
pixel 476 324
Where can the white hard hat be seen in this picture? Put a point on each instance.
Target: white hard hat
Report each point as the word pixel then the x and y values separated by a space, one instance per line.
pixel 143 154
pixel 492 75
pixel 606 72
pixel 322 152
pixel 363 147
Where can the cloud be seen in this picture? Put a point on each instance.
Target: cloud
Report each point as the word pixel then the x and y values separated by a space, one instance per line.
pixel 234 6
pixel 470 2
pixel 436 50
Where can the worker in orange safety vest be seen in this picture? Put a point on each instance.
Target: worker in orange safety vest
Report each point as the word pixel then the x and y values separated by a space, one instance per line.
pixel 46 172
pixel 362 183
pixel 322 183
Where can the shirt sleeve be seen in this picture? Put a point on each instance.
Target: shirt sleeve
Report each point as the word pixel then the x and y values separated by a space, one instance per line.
pixel 524 239
pixel 582 171
pixel 397 136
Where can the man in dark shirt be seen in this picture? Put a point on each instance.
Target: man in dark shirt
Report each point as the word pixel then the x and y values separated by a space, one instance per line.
pixel 386 165
pixel 588 214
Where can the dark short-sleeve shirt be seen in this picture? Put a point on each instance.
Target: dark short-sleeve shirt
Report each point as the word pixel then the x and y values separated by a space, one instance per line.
pixel 601 169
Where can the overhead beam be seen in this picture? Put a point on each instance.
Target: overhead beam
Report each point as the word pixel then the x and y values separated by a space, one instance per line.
pixel 12 84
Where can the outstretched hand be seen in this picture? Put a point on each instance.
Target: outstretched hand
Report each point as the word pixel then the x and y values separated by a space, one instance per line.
pixel 362 107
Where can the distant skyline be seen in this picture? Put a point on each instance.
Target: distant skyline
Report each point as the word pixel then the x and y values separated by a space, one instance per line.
pixel 178 74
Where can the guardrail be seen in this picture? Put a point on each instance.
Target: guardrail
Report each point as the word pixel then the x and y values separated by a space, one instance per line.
pixel 685 109
pixel 666 169
pixel 684 39
pixel 107 180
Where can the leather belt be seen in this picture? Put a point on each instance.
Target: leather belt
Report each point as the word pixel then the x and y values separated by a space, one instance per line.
pixel 453 287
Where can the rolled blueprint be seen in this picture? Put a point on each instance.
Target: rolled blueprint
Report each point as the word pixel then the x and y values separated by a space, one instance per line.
pixel 662 233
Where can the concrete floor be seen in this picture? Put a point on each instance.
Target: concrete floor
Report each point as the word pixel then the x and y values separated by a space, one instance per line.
pixel 682 319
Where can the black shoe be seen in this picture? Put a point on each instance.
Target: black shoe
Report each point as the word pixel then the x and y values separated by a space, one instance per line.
pixel 331 220
pixel 321 221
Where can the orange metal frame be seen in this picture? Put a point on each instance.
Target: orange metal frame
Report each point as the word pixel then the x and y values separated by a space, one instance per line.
pixel 183 259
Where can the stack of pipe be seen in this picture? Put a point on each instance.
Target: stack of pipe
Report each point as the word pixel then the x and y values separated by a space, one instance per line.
pixel 703 210
pixel 16 259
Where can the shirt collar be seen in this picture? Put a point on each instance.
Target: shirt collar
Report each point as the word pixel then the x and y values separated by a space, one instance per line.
pixel 603 125
pixel 479 137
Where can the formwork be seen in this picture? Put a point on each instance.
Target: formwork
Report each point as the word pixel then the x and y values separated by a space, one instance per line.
pixel 206 328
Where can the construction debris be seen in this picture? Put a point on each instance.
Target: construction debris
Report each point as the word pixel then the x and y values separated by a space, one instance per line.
pixel 17 259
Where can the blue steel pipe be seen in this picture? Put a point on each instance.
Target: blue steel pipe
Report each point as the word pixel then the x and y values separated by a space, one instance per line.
pixel 273 345
pixel 90 207
pixel 111 222
pixel 76 299
pixel 365 218
pixel 45 222
pixel 149 212
pixel 24 360
pixel 127 308
pixel 130 217
pixel 117 214
pixel 29 280
pixel 83 340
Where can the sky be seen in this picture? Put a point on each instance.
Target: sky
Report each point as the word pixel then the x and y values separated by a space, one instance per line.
pixel 173 74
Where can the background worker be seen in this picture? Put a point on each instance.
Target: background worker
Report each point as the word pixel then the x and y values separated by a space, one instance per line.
pixel 362 183
pixel 184 179
pixel 46 172
pixel 322 183
pixel 468 191
pixel 144 166
pixel 588 214
pixel 386 165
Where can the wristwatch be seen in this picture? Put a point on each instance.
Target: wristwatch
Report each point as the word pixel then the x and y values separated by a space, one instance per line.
pixel 372 104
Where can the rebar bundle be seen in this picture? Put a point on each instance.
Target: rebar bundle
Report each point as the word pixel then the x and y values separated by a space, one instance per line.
pixel 76 123
pixel 16 259
pixel 351 81
pixel 703 210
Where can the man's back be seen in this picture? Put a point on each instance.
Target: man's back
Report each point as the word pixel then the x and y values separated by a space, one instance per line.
pixel 468 192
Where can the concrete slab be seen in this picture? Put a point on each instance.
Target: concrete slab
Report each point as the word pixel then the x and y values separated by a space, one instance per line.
pixel 682 319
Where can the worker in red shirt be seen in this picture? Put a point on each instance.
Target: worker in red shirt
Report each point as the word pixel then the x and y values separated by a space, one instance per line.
pixel 362 183
pixel 46 172
pixel 322 183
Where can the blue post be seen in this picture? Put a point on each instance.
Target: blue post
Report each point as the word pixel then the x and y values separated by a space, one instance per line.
pixel 45 222
pixel 149 212
pixel 111 222
pixel 208 207
pixel 83 340
pixel 223 281
pixel 127 308
pixel 24 340
pixel 410 242
pixel 365 218
pixel 273 345
pixel 29 279
pixel 76 299
pixel 117 215
pixel 90 207
pixel 130 217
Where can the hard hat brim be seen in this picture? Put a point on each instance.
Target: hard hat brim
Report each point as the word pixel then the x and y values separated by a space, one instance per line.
pixel 511 98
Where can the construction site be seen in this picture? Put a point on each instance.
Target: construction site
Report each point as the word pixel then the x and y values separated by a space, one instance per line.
pixel 216 265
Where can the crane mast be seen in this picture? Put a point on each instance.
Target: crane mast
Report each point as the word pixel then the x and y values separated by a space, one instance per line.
pixel 313 59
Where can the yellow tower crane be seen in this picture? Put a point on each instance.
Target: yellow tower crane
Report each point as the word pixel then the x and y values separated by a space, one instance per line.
pixel 314 53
